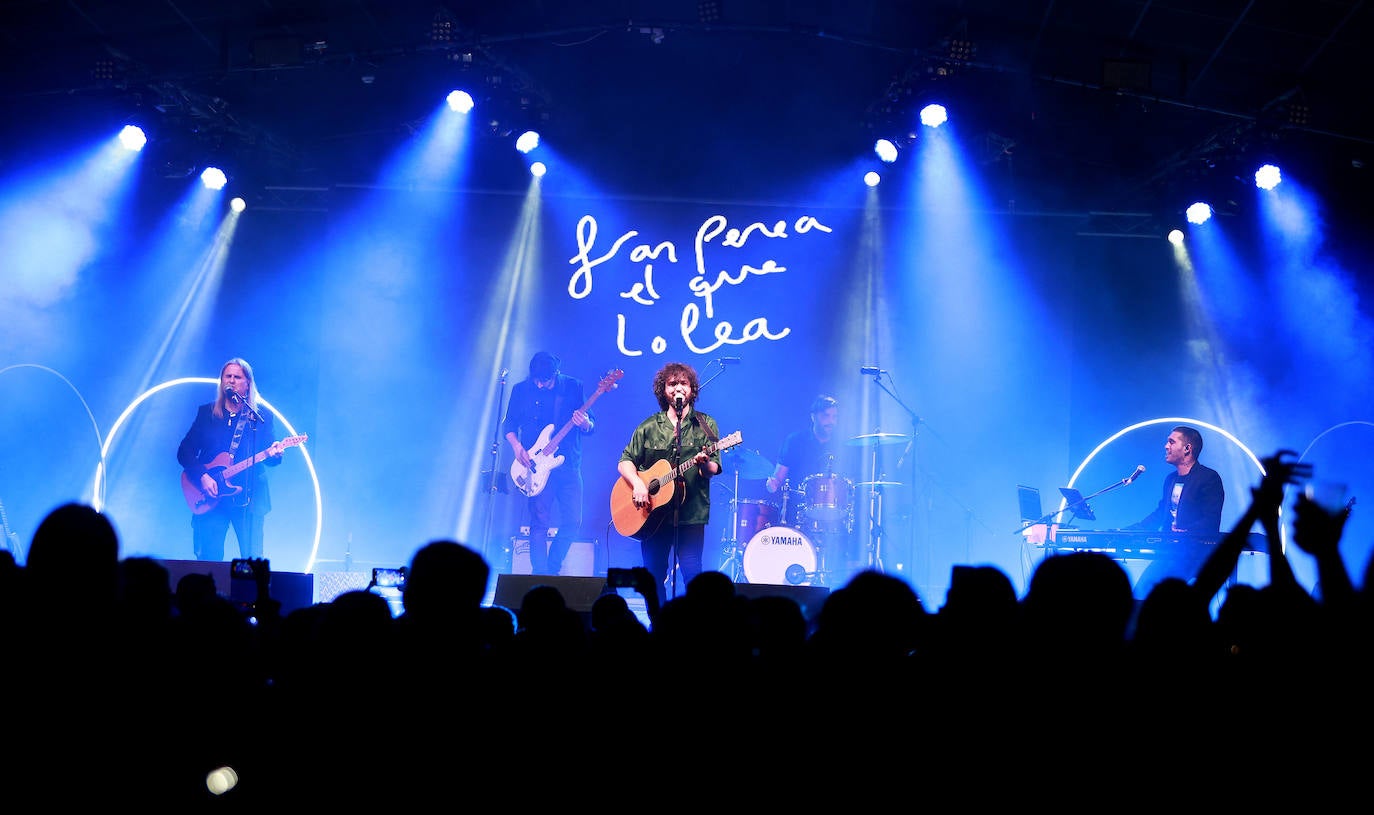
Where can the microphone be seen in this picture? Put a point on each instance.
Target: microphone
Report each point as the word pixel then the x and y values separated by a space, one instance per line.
pixel 678 403
pixel 505 372
pixel 1140 468
pixel 728 360
pixel 871 370
pixel 233 395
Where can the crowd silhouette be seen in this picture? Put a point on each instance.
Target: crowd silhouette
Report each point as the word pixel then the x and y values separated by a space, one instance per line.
pixel 125 688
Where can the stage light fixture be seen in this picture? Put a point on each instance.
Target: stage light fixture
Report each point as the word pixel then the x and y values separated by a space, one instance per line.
pixel 132 138
pixel 213 178
pixel 709 10
pixel 538 169
pixel 960 50
pixel 1268 177
pixel 460 101
pixel 934 115
pixel 886 150
pixel 1176 237
pixel 872 179
pixel 1199 213
pixel 238 204
pixel 527 141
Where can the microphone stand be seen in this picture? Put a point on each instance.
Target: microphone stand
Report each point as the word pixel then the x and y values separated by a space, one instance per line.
pixel 703 385
pixel 677 504
pixel 490 486
pixel 251 480
pixel 246 545
pixel 1072 508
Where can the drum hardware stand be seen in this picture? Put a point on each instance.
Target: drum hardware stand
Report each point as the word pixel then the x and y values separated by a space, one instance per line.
pixel 733 564
pixel 875 526
pixel 916 422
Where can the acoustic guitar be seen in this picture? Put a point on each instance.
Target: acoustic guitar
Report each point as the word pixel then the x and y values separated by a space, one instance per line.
pixel 641 522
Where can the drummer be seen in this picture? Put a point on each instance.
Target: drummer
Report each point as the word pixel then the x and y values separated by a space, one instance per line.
pixel 815 451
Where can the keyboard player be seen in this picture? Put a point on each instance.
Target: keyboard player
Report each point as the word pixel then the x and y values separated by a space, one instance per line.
pixel 1190 505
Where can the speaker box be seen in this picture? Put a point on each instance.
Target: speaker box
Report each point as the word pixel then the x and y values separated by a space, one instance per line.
pixel 292 589
pixel 810 598
pixel 579 592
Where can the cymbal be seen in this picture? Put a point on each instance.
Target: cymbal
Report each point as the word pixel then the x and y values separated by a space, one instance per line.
pixel 750 463
pixel 872 439
pixel 879 484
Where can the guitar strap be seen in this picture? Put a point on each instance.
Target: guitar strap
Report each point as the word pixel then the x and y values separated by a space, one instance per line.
pixel 238 437
pixel 710 437
pixel 243 497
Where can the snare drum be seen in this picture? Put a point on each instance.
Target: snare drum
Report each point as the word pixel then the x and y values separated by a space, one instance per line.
pixel 827 503
pixel 754 517
pixel 781 556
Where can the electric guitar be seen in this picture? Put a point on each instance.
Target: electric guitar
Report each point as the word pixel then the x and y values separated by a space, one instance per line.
pixel 640 522
pixel 530 481
pixel 221 470
pixel 9 539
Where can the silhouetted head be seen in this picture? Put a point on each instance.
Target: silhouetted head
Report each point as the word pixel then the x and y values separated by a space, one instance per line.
pixel 445 577
pixel 74 554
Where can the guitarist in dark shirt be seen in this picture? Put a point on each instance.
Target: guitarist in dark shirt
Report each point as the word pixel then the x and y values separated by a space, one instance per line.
pixel 539 404
pixel 243 500
pixel 677 434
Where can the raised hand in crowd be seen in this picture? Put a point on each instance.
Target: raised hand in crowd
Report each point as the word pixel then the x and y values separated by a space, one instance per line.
pixel 1317 531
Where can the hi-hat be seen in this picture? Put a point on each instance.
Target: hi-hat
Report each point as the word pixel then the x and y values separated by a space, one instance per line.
pixel 750 463
pixel 879 484
pixel 868 439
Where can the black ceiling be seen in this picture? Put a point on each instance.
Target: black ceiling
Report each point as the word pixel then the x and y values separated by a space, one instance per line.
pixel 1117 103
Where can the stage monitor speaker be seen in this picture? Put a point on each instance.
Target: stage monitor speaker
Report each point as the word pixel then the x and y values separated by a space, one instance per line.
pixel 292 589
pixel 578 592
pixel 810 598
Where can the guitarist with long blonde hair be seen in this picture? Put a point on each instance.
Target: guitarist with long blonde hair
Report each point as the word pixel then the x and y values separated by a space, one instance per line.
pixel 231 429
pixel 677 438
pixel 548 472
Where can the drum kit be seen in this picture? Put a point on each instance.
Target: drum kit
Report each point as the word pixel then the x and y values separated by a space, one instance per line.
pixel 785 544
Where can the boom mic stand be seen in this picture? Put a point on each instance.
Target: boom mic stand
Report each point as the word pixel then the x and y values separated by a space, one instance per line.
pixel 1074 500
pixel 490 487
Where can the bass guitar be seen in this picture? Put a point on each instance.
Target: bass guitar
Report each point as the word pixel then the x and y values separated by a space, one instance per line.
pixel 530 481
pixel 221 470
pixel 640 522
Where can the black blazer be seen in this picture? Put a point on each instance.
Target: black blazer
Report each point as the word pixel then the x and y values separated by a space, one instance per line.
pixel 208 437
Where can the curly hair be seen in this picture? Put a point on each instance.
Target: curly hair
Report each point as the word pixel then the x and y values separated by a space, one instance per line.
pixel 670 371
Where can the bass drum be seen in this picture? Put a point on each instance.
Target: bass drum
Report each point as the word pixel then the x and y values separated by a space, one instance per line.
pixel 780 556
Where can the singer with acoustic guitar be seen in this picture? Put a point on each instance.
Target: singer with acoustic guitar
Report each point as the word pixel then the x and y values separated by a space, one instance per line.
pixel 671 517
pixel 547 469
pixel 226 432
